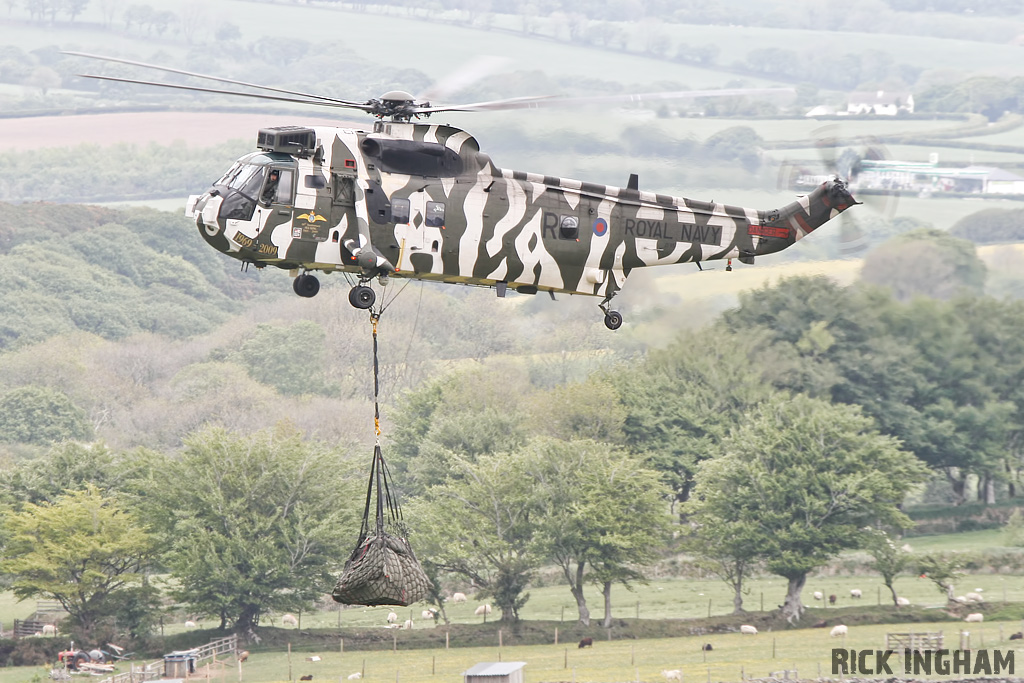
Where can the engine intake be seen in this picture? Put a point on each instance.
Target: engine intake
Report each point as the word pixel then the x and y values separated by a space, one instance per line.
pixel 297 140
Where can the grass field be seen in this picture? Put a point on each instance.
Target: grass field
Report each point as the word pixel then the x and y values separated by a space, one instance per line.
pixel 623 658
pixel 808 652
pixel 675 599
pixel 733 656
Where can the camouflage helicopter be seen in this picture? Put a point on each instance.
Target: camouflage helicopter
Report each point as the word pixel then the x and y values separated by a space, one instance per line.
pixel 409 199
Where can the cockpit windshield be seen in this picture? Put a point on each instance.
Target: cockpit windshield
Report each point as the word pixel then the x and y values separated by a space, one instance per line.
pixel 246 178
pixel 241 188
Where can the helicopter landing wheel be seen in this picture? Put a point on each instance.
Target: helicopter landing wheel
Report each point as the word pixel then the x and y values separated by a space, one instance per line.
pixel 361 296
pixel 613 320
pixel 306 285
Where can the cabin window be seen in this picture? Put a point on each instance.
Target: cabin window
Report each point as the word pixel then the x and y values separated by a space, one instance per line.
pixel 435 214
pixel 285 187
pixel 400 209
pixel 315 182
pixel 569 227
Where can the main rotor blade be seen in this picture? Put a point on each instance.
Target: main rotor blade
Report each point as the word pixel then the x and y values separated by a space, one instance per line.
pixel 193 74
pixel 510 103
pixel 556 101
pixel 259 96
pixel 461 78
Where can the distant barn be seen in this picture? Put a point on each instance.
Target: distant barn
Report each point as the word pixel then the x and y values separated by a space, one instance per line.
pixel 494 672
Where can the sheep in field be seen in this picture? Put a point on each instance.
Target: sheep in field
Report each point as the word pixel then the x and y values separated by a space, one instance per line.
pixel 482 610
pixel 975 618
pixel 837 631
pixel 855 593
pixel 458 597
pixel 974 597
pixel 748 629
pixel 392 617
pixel 289 620
pixel 356 676
pixel 818 595
pixel 672 675
pixel 902 602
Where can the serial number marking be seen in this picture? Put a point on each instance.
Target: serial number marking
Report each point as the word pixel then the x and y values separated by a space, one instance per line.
pixel 768 231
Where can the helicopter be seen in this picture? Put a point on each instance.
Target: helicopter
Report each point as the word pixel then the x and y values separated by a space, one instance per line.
pixel 411 199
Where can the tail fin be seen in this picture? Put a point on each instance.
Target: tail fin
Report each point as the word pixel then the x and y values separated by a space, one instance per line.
pixel 781 228
pixel 809 213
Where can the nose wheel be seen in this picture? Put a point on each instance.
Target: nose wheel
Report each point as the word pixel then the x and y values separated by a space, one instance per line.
pixel 362 296
pixel 306 285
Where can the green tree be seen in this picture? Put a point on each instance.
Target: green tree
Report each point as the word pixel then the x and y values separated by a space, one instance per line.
pixel 809 475
pixel 291 359
pixel 461 416
pixel 600 510
pixel 480 524
pixel 991 226
pixel 944 377
pixel 84 550
pixel 942 571
pixel 584 410
pixel 739 143
pixel 888 559
pixel 728 548
pixel 41 416
pixel 682 401
pixel 943 265
pixel 65 466
pixel 227 32
pixel 1014 529
pixel 260 522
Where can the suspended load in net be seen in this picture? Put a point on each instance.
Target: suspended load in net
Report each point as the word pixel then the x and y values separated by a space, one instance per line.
pixel 383 569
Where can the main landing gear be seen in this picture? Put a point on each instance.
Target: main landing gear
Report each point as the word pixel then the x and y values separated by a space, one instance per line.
pixel 362 296
pixel 612 319
pixel 306 285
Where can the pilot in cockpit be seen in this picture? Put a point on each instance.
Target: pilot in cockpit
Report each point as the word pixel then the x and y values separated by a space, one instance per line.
pixel 270 188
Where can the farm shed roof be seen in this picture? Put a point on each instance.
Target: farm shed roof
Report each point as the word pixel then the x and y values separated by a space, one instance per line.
pixel 494 668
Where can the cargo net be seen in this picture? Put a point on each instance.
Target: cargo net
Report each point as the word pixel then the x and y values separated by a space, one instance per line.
pixel 383 569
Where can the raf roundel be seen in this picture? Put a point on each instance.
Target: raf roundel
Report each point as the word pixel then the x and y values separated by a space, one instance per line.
pixel 600 227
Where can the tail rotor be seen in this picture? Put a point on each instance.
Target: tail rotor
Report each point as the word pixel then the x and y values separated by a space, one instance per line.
pixel 860 161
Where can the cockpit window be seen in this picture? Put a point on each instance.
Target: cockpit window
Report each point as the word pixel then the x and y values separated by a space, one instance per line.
pixel 246 178
pixel 243 183
pixel 246 184
pixel 284 188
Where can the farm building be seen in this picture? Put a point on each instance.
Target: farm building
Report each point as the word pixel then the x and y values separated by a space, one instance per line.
pixel 930 177
pixel 880 102
pixel 494 672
